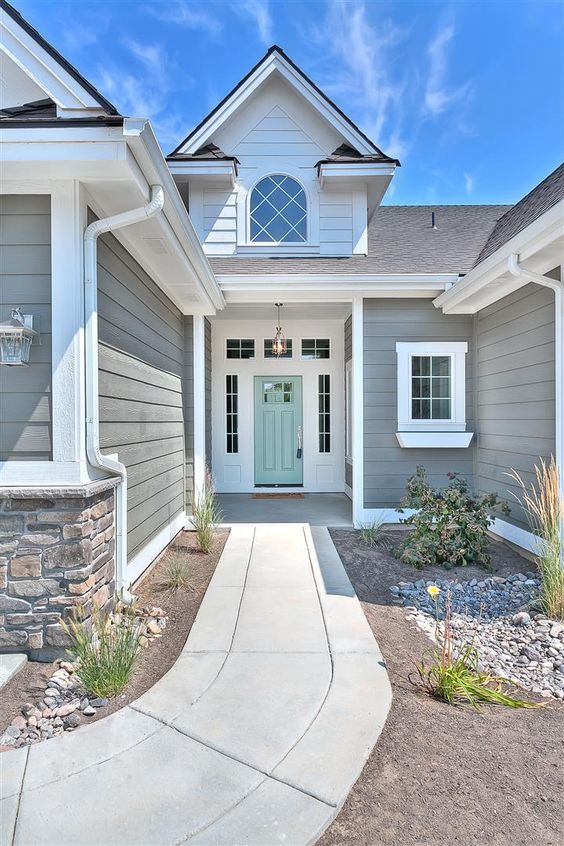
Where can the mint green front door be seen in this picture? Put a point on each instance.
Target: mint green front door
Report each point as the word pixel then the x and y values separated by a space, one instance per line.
pixel 278 430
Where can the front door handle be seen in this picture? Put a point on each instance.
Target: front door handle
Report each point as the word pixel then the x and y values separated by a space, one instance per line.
pixel 299 450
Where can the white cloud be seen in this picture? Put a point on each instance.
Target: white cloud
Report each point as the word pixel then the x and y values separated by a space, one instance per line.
pixel 468 183
pixel 363 73
pixel 438 95
pixel 185 14
pixel 259 12
pixel 76 37
pixel 147 94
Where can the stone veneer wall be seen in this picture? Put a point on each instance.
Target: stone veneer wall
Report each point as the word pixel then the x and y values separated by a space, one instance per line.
pixel 56 552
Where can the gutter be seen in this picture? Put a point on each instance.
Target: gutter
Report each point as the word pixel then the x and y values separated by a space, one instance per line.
pixel 98 461
pixel 516 269
pixel 150 158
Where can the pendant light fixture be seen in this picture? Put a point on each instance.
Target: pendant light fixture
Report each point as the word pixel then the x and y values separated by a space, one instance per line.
pixel 279 341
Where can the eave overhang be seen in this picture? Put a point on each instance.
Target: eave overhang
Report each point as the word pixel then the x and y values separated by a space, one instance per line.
pixel 220 173
pixel 375 176
pixel 540 245
pixel 116 165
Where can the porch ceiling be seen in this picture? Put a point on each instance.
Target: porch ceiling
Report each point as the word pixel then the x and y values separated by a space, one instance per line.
pixel 291 311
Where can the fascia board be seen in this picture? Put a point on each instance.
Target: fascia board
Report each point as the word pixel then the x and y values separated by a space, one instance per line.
pixel 272 63
pixel 59 85
pixel 543 231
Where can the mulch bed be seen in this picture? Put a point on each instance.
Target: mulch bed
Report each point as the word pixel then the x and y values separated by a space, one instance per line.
pixel 181 608
pixel 442 775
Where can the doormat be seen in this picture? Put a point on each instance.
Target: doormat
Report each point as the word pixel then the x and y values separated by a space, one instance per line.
pixel 278 496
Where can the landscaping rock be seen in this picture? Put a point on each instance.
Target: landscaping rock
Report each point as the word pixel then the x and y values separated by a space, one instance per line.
pixel 520 645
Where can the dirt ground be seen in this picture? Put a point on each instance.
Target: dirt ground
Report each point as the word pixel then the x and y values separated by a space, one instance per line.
pixel 181 607
pixel 442 775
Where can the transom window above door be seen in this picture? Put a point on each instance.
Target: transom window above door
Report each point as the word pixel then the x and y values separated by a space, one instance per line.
pixel 240 348
pixel 278 211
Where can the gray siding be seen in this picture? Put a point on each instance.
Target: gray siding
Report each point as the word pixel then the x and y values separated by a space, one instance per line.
pixel 25 280
pixel 386 465
pixel 141 370
pixel 348 357
pixel 208 388
pixel 189 406
pixel 515 390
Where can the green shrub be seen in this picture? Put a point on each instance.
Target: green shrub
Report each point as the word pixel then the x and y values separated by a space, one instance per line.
pixel 545 511
pixel 206 514
pixel 106 649
pixel 450 525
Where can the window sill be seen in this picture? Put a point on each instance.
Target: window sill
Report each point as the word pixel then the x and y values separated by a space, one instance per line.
pixel 434 440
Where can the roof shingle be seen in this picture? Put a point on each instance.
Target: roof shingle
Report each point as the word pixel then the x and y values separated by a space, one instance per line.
pixel 401 240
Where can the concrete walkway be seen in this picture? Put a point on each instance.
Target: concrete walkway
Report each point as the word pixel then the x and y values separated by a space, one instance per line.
pixel 255 736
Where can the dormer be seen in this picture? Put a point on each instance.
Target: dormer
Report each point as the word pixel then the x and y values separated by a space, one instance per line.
pixel 277 169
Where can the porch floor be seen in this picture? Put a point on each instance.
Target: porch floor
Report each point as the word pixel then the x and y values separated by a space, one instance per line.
pixel 330 509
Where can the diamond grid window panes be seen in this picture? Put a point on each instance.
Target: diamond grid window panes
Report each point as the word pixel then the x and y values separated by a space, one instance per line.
pixel 278 211
pixel 240 348
pixel 315 348
pixel 324 412
pixel 268 349
pixel 431 387
pixel 232 413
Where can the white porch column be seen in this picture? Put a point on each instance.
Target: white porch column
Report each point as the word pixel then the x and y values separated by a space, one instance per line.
pixel 358 410
pixel 199 372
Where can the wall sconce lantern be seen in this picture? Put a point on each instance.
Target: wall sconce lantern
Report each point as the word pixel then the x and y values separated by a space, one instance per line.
pixel 279 345
pixel 16 335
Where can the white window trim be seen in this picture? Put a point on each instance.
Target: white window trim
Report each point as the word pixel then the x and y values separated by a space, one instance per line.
pixel 349 427
pixel 315 338
pixel 275 358
pixel 275 244
pixel 232 338
pixel 457 351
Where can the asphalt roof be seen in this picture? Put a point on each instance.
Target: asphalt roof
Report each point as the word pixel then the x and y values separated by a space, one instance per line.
pixel 543 197
pixel 401 240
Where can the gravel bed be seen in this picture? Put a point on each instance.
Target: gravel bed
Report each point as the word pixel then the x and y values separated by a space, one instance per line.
pixel 497 615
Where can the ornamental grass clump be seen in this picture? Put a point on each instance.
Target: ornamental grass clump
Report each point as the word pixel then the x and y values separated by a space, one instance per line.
pixel 456 678
pixel 106 648
pixel 176 572
pixel 206 514
pixel 544 507
pixel 450 525
pixel 376 534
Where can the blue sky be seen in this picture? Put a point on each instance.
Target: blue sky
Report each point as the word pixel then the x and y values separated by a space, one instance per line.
pixel 469 95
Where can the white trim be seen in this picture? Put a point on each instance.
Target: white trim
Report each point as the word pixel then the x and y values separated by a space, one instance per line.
pixel 354 170
pixel 349 428
pixel 514 534
pixel 49 74
pixel 358 409
pixel 142 559
pixel 457 352
pixel 274 245
pixel 199 376
pixel 434 440
pixel 392 281
pixel 475 286
pixel 275 62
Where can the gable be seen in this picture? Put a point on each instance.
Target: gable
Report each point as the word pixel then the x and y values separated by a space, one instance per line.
pixel 24 53
pixel 276 65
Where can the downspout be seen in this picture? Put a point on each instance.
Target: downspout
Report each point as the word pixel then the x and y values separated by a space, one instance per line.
pixel 521 272
pixel 95 457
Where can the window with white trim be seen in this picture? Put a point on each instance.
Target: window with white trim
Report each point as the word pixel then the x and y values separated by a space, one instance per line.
pixel 278 211
pixel 432 386
pixel 240 348
pixel 232 413
pixel 268 352
pixel 324 412
pixel 314 348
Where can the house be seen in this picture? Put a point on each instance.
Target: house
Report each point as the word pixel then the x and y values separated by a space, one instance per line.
pixel 247 302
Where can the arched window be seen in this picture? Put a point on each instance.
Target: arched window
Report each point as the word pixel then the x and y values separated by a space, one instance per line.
pixel 278 210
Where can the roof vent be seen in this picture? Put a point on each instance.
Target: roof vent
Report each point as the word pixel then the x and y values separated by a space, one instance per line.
pixel 433 224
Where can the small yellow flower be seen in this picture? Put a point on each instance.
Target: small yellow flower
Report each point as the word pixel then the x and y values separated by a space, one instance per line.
pixel 433 591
